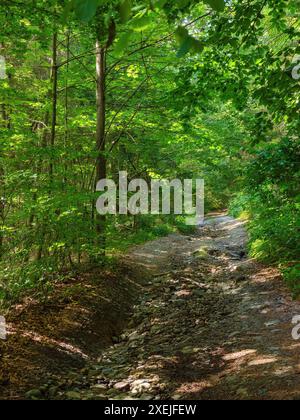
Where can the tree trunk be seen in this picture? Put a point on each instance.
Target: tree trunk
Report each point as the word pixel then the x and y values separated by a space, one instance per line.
pixel 66 137
pixel 100 134
pixel 2 210
pixel 54 102
pixel 5 123
pixel 53 98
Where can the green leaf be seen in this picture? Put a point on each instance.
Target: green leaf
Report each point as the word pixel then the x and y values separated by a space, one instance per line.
pixel 125 10
pixel 122 43
pixel 185 47
pixel 187 42
pixel 182 3
pixel 159 4
pixel 218 5
pixel 86 9
pixel 67 10
pixel 197 46
pixel 181 34
pixel 141 23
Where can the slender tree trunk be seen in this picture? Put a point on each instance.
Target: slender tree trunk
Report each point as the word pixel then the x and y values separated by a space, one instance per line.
pixel 54 102
pixel 2 209
pixel 5 123
pixel 101 163
pixel 52 136
pixel 66 137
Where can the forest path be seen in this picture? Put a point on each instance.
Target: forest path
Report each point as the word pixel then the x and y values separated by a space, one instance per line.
pixel 211 324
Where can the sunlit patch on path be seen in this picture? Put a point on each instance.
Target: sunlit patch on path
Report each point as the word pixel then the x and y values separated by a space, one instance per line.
pixel 211 324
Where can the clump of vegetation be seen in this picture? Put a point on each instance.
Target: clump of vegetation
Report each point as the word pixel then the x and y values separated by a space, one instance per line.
pixel 272 202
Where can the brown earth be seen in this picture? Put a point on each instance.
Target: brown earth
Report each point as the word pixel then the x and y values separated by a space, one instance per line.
pixel 66 331
pixel 209 323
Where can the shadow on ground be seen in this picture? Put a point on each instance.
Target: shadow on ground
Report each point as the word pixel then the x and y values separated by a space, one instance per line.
pixel 212 324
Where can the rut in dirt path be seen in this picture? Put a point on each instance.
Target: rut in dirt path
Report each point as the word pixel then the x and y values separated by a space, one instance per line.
pixel 211 324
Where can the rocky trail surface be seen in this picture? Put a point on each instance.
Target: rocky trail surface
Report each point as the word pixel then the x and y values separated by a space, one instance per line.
pixel 210 324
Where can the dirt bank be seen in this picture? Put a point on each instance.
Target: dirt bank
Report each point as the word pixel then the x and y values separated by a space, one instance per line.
pixel 65 332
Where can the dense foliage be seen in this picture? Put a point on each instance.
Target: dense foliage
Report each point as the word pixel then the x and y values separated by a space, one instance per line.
pixel 184 89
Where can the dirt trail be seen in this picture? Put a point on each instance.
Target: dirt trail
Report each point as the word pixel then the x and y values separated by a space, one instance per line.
pixel 211 324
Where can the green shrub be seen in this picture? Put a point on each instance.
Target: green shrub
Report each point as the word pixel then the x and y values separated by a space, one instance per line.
pixel 272 202
pixel 292 277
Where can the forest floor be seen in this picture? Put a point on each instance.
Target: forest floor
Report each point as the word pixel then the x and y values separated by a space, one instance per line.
pixel 207 323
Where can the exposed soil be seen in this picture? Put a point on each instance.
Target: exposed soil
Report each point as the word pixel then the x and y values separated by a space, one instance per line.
pixel 210 323
pixel 65 332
